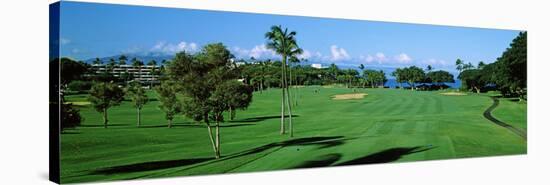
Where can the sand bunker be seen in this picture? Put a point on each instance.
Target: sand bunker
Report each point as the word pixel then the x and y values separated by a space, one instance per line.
pixel 453 94
pixel 349 96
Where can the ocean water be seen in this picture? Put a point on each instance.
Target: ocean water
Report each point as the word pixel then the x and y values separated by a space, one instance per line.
pixel 392 84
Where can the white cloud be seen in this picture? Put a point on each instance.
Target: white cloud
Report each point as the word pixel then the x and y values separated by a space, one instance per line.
pixel 380 57
pixel 338 54
pixel 305 54
pixel 64 41
pixel 318 54
pixel 169 48
pixel 403 58
pixel 261 51
pixel 368 58
pixel 435 62
pixel 75 50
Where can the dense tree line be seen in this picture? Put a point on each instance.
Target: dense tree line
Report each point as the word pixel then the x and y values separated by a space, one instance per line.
pixel 508 73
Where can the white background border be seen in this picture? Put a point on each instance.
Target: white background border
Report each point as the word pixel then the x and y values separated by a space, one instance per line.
pixel 24 84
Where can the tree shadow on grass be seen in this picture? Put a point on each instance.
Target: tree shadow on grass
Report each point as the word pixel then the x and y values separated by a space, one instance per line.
pixel 261 118
pixel 101 125
pixel 159 165
pixel 223 125
pixel 148 166
pixel 385 156
pixel 321 142
pixel 322 161
pixel 69 132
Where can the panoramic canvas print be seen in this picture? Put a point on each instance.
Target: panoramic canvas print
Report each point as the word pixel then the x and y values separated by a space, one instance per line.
pixel 143 92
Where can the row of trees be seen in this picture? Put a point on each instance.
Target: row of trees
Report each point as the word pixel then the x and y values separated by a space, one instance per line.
pixel 508 73
pixel 266 74
pixel 413 75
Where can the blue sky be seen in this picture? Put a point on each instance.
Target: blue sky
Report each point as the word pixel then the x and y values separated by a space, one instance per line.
pixel 90 30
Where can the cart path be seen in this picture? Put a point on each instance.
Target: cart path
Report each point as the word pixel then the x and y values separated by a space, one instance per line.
pixel 487 114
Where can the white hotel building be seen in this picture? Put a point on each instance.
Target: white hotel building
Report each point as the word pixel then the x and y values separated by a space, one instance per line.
pixel 143 74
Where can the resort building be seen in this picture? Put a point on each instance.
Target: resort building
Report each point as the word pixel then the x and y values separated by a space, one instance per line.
pixel 145 74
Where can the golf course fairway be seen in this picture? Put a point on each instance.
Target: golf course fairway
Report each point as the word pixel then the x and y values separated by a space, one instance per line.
pixel 386 125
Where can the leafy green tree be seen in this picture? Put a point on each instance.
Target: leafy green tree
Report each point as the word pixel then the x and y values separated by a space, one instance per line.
pixel 334 70
pixel 512 67
pixel 440 77
pixel 350 76
pixel 169 103
pixel 70 70
pixel 459 65
pixel 103 96
pixel 467 66
pixel 70 116
pixel 362 79
pixel 471 79
pixel 413 75
pixel 398 74
pixel 381 78
pixel 481 64
pixel 237 94
pixel 375 78
pixel 201 79
pixel 284 43
pixel 139 98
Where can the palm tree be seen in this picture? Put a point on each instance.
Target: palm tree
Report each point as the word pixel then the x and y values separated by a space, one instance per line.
pixel 362 68
pixel 122 60
pixel 284 43
pixel 293 60
pixel 459 65
pixel 111 65
pixel 97 62
pixel 334 70
pixel 137 64
pixel 153 64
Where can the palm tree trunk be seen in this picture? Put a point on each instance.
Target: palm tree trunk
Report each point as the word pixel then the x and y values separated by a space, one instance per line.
pixel 290 129
pixel 283 97
pixel 288 101
pixel 290 86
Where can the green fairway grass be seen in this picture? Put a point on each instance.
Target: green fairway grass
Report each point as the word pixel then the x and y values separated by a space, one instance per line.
pixel 387 125
pixel 512 112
